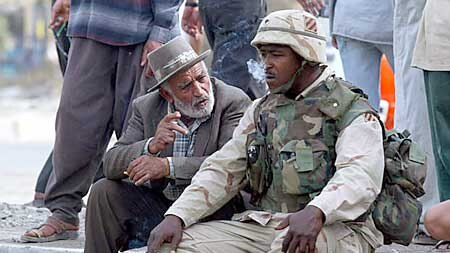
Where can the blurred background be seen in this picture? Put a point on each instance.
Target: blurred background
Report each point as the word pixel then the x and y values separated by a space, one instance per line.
pixel 30 84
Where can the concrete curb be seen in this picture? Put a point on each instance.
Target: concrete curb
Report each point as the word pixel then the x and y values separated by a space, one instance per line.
pixel 33 248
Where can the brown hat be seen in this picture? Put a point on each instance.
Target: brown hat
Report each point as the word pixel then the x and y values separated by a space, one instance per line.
pixel 173 57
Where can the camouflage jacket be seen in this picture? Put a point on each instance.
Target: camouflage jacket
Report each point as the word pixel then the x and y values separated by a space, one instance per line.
pixel 348 194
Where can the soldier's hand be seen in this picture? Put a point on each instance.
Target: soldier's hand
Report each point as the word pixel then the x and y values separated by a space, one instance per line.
pixel 149 46
pixel 312 6
pixel 304 227
pixel 165 134
pixel 60 13
pixel 169 230
pixel 147 168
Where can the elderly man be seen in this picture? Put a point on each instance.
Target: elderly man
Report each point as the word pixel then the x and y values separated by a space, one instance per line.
pixel 170 133
pixel 311 150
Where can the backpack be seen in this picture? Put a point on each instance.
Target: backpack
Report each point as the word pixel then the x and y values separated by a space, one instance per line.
pixel 396 211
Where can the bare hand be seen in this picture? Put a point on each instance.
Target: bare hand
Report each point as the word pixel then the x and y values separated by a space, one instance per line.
pixel 60 13
pixel 312 6
pixel 191 22
pixel 165 134
pixel 147 168
pixel 169 230
pixel 304 227
pixel 149 46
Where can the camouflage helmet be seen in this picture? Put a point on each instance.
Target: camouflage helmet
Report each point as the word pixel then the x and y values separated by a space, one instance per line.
pixel 288 27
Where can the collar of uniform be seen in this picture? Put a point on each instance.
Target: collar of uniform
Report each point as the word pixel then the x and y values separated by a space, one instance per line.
pixel 326 73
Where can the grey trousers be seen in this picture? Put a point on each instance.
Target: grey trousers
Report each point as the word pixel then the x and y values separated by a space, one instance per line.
pixel 230 26
pixel 410 96
pixel 99 84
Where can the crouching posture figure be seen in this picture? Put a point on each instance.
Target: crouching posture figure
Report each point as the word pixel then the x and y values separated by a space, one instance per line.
pixel 311 152
pixel 170 133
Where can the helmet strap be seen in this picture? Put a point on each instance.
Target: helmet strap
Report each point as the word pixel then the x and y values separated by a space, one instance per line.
pixel 288 85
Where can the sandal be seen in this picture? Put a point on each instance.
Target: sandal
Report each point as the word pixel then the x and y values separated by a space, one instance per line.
pixel 442 243
pixel 52 230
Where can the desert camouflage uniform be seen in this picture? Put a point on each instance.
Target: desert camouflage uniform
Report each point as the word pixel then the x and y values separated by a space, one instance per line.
pixel 350 169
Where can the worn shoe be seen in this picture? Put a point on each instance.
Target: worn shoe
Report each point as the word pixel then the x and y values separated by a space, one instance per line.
pixel 52 230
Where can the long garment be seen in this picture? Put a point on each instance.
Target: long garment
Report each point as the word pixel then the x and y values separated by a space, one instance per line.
pixel 363 30
pixel 101 80
pixel 432 54
pixel 230 26
pixel 410 96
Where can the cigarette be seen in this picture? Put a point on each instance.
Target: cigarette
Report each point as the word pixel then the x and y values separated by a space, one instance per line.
pixel 125 173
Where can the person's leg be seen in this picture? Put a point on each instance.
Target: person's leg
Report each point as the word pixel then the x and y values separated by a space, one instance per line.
pixel 437 86
pixel 220 236
pixel 410 99
pixel 127 86
pixel 230 27
pixel 361 62
pixel 437 221
pixel 336 237
pixel 83 126
pixel 119 212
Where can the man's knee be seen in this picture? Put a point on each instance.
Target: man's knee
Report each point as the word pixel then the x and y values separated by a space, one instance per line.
pixel 101 191
pixel 433 222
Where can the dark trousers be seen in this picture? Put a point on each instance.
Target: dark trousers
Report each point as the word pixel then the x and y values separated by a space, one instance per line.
pixel 230 26
pixel 62 43
pixel 121 215
pixel 437 87
pixel 99 83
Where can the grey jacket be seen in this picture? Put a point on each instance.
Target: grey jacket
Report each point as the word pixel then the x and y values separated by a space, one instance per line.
pixel 148 111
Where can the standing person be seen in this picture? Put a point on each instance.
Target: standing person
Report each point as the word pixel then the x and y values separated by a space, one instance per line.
pixel 410 98
pixel 229 26
pixel 432 54
pixel 62 43
pixel 172 131
pixel 308 175
pixel 363 32
pixel 110 42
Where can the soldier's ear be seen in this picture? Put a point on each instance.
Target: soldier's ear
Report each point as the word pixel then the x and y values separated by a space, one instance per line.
pixel 166 95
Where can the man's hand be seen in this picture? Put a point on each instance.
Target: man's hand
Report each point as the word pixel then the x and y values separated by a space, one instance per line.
pixel 149 46
pixel 169 230
pixel 191 21
pixel 147 168
pixel 304 227
pixel 60 13
pixel 312 6
pixel 165 134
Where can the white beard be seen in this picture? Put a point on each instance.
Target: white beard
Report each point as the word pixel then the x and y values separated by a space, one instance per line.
pixel 191 111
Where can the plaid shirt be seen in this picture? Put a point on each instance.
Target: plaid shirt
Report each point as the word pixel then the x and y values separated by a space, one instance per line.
pixel 121 23
pixel 182 147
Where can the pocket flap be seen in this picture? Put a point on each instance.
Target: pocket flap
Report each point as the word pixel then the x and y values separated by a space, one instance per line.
pixel 416 154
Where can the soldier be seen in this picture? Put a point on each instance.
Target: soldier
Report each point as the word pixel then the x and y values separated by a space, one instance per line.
pixel 311 152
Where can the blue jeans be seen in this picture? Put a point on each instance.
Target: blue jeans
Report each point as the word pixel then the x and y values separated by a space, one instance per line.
pixel 361 62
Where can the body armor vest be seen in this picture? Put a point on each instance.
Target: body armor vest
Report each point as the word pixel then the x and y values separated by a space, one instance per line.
pixel 291 155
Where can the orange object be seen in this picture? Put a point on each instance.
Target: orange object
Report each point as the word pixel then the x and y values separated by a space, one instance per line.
pixel 387 85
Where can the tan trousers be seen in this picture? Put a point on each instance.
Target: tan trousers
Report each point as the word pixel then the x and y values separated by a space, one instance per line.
pixel 235 236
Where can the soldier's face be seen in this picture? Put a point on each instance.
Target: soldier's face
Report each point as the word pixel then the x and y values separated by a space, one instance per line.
pixel 281 63
pixel 191 92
